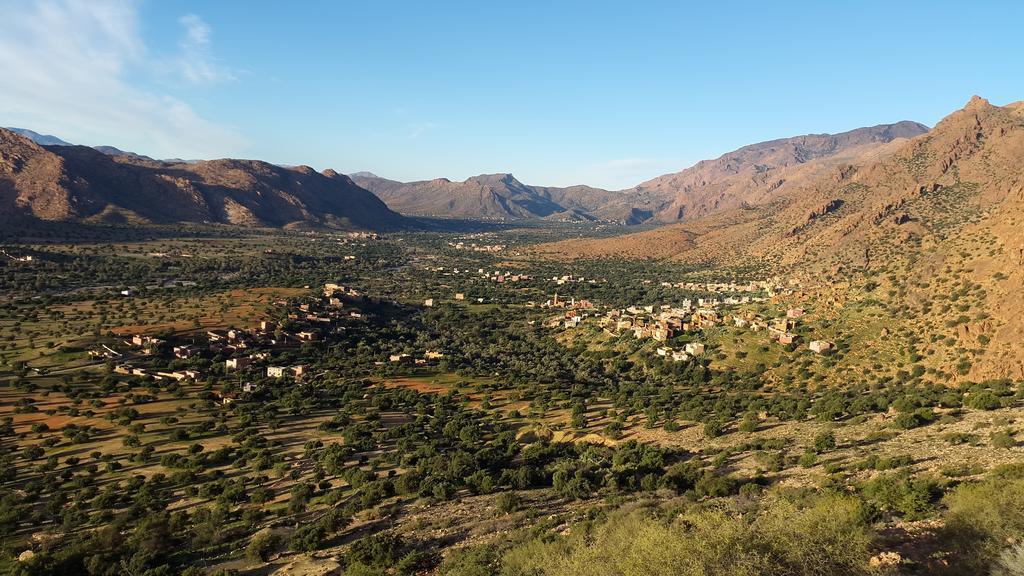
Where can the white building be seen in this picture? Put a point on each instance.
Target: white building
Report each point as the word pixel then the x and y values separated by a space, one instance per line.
pixel 694 348
pixel 819 346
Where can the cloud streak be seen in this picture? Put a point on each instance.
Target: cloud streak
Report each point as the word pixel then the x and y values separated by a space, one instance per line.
pixel 70 67
pixel 418 129
pixel 197 63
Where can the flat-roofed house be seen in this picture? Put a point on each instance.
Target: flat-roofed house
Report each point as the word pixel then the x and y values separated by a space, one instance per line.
pixel 820 346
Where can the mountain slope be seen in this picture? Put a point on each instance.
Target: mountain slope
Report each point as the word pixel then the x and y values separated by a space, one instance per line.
pixel 750 174
pixel 753 172
pixel 41 139
pixel 851 198
pixel 81 183
pixel 932 227
pixel 491 196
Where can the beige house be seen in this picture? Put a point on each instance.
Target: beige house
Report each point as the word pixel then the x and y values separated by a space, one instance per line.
pixel 819 346
pixel 239 363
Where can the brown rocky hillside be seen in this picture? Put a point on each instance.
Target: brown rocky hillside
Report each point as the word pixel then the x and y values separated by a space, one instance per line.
pixel 81 183
pixel 931 226
pixel 751 174
pixel 756 172
pixel 500 197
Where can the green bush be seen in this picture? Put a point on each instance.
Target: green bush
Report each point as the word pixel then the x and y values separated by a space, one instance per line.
pixel 261 546
pixel 808 459
pixel 824 442
pixel 984 400
pixel 981 519
pixel 508 502
pixel 475 561
pixel 377 550
pixel 749 423
pixel 828 535
pixel 713 428
pixel 919 417
pixel 1002 439
pixel 911 498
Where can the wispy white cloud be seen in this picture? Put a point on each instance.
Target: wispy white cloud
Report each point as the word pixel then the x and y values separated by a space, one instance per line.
pixel 418 129
pixel 196 62
pixel 70 67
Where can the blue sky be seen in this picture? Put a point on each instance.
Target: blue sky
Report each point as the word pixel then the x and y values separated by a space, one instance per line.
pixel 558 93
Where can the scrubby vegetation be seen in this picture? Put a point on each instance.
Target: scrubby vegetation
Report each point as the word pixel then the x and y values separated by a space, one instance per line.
pixel 515 449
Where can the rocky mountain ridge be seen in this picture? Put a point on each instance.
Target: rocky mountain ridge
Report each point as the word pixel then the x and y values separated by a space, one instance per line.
pixel 64 182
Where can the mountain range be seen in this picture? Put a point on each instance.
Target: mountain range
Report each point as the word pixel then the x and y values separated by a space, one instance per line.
pixel 728 181
pixel 494 196
pixel 65 182
pixel 90 183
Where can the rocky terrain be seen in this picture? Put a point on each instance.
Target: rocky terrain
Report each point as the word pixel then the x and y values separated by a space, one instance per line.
pixel 758 172
pixel 225 191
pixel 751 174
pixel 931 225
pixel 64 182
pixel 499 197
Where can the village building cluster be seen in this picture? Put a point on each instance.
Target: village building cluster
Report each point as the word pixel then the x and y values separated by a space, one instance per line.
pixel 474 247
pixel 502 277
pixel 772 288
pixel 17 257
pixel 428 358
pixel 665 322
pixel 309 320
pixel 571 279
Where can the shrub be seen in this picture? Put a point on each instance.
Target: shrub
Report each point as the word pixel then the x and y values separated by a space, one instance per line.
pixel 308 538
pixel 713 428
pixel 808 459
pixel 749 423
pixel 919 417
pixel 377 550
pixel 771 461
pixel 475 561
pixel 984 400
pixel 261 546
pixel 824 442
pixel 508 502
pixel 911 498
pixel 982 518
pixel 828 535
pixel 1002 440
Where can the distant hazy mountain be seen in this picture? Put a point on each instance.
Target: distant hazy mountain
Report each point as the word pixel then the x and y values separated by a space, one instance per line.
pixel 42 139
pixel 64 182
pixel 111 151
pixel 495 196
